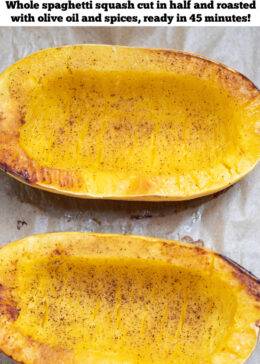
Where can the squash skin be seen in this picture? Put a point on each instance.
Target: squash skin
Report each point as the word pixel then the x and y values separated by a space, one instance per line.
pixel 180 181
pixel 58 247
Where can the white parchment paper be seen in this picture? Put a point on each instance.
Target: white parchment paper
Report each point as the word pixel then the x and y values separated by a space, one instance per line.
pixel 227 222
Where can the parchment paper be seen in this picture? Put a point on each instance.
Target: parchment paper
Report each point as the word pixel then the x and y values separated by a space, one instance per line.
pixel 227 222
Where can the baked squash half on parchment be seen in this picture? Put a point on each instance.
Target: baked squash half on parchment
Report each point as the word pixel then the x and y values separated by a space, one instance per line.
pixel 104 298
pixel 127 123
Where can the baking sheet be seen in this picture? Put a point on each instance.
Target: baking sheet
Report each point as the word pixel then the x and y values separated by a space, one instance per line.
pixel 227 222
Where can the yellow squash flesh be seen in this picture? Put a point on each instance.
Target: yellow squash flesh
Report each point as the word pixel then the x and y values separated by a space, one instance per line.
pixel 127 123
pixel 102 298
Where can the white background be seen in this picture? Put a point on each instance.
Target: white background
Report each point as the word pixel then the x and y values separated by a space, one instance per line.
pixel 5 19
